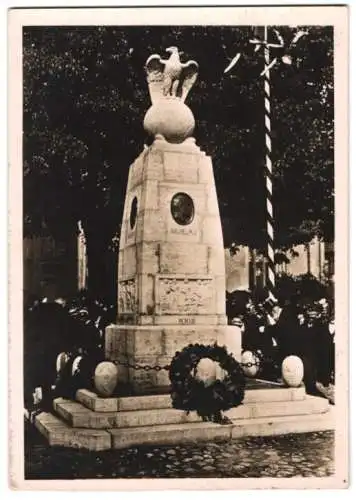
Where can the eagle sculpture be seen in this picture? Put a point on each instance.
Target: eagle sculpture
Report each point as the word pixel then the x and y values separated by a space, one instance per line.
pixel 170 77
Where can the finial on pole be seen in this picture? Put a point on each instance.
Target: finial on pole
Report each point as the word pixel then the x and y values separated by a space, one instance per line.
pixel 285 57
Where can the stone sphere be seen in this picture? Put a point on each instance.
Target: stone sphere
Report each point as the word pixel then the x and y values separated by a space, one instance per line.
pixel 206 371
pixel 106 378
pixel 171 118
pixel 61 361
pixel 250 357
pixel 292 371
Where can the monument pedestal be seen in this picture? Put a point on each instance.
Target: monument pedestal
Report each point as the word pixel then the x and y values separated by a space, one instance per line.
pixel 171 265
pixel 155 346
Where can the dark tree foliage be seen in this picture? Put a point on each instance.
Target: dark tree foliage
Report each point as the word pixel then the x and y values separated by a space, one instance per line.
pixel 85 96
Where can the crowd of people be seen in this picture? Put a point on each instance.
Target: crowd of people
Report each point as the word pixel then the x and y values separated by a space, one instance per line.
pixel 274 331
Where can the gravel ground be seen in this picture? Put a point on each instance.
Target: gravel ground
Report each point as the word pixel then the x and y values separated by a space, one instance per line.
pixel 292 455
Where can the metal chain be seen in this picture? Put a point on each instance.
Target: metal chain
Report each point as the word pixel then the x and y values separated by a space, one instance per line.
pixel 146 368
pixel 249 365
pixel 158 368
pixel 259 362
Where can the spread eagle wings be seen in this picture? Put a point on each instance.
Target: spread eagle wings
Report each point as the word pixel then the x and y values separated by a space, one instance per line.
pixel 187 78
pixel 155 67
pixel 155 75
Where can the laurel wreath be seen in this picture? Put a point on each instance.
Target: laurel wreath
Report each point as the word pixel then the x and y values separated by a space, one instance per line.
pixel 190 394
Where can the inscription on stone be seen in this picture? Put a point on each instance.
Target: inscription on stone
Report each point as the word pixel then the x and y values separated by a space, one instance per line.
pixel 183 230
pixel 186 296
pixel 127 302
pixel 186 321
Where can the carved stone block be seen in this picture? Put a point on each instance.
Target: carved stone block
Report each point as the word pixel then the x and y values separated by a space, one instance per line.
pixel 136 170
pixel 149 195
pixel 148 257
pixel 185 295
pixel 127 300
pixel 146 284
pixel 211 231
pixel 180 168
pixel 216 260
pixel 179 337
pixel 212 201
pixel 177 256
pixel 150 226
pixel 206 175
pixel 220 296
pixel 115 341
pixel 129 264
pixel 153 165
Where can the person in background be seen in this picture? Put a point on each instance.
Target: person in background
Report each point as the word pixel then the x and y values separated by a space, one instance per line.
pixel 253 338
pixel 270 338
pixel 331 328
pixel 238 322
pixel 305 348
pixel 328 391
pixel 324 309
pixel 301 317
pixel 282 328
pixel 252 323
pixel 324 353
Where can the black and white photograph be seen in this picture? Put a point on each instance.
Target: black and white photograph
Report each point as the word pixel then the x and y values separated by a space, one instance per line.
pixel 178 219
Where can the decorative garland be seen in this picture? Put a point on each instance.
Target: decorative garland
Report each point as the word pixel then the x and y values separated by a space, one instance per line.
pixel 190 394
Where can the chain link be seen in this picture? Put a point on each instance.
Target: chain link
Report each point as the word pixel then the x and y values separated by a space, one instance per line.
pixel 146 368
pixel 158 368
pixel 249 365
pixel 260 361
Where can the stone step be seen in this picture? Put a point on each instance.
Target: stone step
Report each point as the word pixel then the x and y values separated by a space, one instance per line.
pixel 59 433
pixel 201 431
pixel 78 415
pixel 160 401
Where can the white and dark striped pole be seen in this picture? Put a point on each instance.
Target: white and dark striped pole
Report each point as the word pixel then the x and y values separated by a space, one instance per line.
pixel 270 278
pixel 261 40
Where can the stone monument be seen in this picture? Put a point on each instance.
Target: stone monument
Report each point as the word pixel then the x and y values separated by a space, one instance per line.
pixel 171 276
pixel 171 294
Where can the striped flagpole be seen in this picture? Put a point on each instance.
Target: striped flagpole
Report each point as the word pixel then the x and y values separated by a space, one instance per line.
pixel 262 41
pixel 271 281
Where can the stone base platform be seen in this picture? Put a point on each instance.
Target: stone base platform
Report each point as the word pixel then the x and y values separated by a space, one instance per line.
pixel 96 423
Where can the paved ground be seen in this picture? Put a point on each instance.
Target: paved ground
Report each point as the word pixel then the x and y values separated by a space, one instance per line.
pixel 304 455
